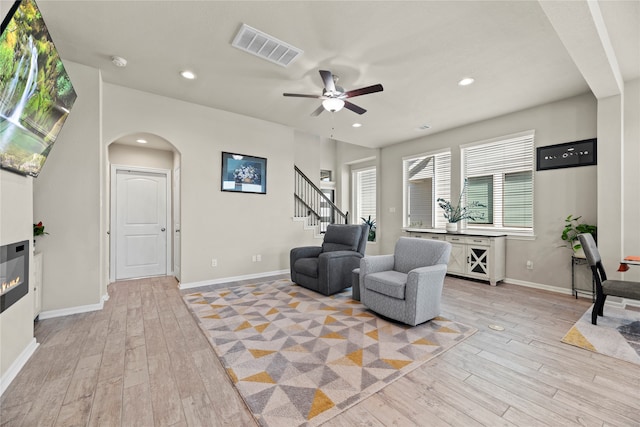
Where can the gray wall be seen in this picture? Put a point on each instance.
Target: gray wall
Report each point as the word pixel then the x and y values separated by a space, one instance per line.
pixel 229 227
pixel 558 193
pixel 68 198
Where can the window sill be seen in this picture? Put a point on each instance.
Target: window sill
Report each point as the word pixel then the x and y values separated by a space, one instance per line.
pixel 512 234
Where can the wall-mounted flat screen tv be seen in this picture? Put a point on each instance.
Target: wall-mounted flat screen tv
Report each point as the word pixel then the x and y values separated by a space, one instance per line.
pixel 36 93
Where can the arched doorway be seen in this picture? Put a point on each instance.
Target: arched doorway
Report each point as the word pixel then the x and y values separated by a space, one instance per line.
pixel 144 187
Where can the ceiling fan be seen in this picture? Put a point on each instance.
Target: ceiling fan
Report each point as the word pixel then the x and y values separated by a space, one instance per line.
pixel 334 97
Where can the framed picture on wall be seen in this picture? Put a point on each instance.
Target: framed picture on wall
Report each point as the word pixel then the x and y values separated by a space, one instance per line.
pixel 244 174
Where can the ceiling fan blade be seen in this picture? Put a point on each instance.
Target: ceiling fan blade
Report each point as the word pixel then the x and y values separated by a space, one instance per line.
pixel 363 91
pixel 317 111
pixel 301 95
pixel 353 107
pixel 327 78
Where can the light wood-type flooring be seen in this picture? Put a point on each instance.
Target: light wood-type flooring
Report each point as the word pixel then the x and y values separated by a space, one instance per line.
pixel 143 361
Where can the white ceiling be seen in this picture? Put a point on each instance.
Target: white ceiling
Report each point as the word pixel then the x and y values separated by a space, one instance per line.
pixel 418 50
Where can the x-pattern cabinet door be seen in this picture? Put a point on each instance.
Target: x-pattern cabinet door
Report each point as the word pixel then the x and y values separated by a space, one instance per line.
pixel 479 260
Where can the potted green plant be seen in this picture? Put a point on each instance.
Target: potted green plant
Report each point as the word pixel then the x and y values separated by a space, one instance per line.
pixel 456 213
pixel 38 230
pixel 372 228
pixel 572 227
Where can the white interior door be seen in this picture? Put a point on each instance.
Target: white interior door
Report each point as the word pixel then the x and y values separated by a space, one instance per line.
pixel 176 219
pixel 141 224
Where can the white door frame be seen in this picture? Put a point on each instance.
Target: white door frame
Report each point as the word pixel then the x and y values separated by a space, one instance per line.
pixel 177 237
pixel 113 232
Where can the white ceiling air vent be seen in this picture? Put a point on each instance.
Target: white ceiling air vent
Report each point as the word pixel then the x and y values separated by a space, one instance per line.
pixel 265 46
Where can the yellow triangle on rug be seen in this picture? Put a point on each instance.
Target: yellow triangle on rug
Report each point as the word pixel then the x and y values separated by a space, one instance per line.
pixel 617 334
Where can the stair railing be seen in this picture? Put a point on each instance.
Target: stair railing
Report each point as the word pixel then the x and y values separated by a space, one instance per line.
pixel 311 202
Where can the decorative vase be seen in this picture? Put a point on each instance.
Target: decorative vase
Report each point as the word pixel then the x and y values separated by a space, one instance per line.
pixel 462 225
pixel 451 227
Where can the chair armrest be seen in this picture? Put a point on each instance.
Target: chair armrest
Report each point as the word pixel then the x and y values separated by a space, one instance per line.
pixel 335 268
pixel 429 268
pixel 375 264
pixel 339 254
pixel 304 252
pixel 338 260
pixel 421 280
pixel 424 291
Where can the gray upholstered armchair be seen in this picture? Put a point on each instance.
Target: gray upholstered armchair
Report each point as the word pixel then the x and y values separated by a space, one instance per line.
pixel 327 268
pixel 406 286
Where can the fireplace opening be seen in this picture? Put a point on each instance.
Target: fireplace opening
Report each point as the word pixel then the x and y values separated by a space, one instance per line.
pixel 14 273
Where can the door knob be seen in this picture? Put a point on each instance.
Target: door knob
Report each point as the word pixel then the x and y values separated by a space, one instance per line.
pixel 162 229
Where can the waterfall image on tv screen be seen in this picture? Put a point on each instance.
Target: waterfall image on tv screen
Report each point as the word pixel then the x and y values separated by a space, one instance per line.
pixel 36 93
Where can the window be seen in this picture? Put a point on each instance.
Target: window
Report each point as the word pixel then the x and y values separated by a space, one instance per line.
pixel 425 178
pixel 364 194
pixel 480 189
pixel 499 175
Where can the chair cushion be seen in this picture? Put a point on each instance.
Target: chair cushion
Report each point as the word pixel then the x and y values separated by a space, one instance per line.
pixel 307 266
pixel 390 283
pixel 341 238
pixel 622 288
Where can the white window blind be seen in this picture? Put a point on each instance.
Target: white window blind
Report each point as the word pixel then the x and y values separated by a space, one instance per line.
pixel 499 174
pixel 426 178
pixel 364 194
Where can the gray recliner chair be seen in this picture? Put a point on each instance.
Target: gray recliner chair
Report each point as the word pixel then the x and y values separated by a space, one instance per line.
pixel 604 286
pixel 406 286
pixel 327 268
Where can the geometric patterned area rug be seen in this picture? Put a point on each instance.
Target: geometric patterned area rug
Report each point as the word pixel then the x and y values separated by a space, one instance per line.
pixel 300 358
pixel 617 334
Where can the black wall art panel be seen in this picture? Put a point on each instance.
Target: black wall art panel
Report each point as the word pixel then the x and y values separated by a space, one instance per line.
pixel 567 155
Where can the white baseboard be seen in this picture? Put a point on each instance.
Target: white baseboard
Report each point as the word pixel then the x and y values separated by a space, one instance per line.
pixel 534 285
pixel 17 365
pixel 230 279
pixel 74 310
pixel 565 291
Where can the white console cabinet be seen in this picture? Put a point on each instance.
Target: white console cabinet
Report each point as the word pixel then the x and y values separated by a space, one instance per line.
pixel 480 256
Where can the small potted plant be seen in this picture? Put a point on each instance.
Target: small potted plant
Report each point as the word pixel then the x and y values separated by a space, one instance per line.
pixel 38 230
pixel 455 214
pixel 372 228
pixel 572 227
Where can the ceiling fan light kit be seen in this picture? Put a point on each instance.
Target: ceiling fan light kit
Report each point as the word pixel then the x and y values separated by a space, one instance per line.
pixel 334 97
pixel 333 104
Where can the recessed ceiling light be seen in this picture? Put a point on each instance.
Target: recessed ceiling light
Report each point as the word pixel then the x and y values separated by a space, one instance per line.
pixel 141 141
pixel 189 75
pixel 356 125
pixel 466 81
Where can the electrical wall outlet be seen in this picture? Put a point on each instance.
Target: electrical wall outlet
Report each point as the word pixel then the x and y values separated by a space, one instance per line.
pixel 529 265
pixel 258 258
pixel 253 258
pixel 214 262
